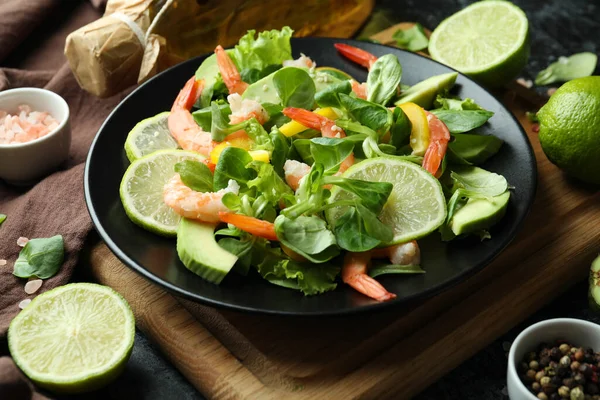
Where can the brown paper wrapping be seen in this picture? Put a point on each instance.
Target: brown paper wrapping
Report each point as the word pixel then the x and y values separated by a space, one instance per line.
pixel 107 55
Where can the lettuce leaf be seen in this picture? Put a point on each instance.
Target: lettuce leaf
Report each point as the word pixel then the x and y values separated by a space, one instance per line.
pixel 269 48
pixel 310 279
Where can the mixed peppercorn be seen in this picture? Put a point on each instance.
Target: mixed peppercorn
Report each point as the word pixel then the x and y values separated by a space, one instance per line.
pixel 562 371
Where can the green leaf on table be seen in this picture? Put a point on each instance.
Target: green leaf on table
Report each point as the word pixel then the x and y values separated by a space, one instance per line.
pixel 295 87
pixel 329 97
pixel 378 21
pixel 460 121
pixel 567 68
pixel 307 236
pixel 383 79
pixel 412 39
pixel 385 269
pixel 232 165
pixel 472 148
pixel 41 257
pixel 367 113
pixel 2 218
pixel 195 175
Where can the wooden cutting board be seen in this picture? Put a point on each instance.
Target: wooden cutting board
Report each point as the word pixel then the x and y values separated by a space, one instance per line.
pixel 228 355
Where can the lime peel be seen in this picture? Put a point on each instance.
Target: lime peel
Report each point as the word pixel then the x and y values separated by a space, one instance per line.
pixel 73 339
pixel 416 206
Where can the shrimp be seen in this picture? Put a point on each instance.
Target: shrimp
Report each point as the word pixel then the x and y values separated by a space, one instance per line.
pixel 294 171
pixel 360 89
pixel 354 273
pixel 318 122
pixel 302 61
pixel 357 55
pixel 439 136
pixel 196 205
pixel 400 254
pixel 242 110
pixel 188 134
pixel 360 57
pixel 229 72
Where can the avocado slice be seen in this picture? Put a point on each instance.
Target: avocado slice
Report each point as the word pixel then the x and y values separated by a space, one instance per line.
pixel 594 285
pixel 264 90
pixel 479 214
pixel 200 253
pixel 424 92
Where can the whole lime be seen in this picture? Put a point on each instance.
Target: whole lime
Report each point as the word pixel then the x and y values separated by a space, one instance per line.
pixel 570 128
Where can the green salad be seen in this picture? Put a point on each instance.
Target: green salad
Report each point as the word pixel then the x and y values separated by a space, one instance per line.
pixel 298 172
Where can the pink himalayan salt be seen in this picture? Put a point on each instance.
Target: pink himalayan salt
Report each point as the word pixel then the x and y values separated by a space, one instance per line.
pixel 26 126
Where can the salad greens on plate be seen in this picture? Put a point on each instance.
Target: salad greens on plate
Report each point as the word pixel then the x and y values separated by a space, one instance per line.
pixel 304 175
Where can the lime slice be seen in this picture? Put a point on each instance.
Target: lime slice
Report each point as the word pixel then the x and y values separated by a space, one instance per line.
pixel 148 136
pixel 487 41
pixel 72 339
pixel 142 190
pixel 416 206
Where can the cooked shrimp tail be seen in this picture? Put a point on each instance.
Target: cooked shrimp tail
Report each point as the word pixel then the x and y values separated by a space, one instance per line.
pixel 229 72
pixel 354 273
pixel 355 54
pixel 439 136
pixel 312 120
pixel 359 89
pixel 254 226
pixel 188 134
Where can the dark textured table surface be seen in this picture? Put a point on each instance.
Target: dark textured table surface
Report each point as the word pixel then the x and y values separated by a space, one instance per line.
pixel 558 28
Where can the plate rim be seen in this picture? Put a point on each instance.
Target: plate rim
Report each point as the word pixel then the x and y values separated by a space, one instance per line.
pixel 374 307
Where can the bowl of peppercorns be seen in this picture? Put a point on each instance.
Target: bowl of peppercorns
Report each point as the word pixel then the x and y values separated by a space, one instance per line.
pixel 555 359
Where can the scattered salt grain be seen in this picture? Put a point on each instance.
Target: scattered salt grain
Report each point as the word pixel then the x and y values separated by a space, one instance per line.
pixel 33 286
pixel 551 91
pixel 2 262
pixel 22 241
pixel 24 303
pixel 25 126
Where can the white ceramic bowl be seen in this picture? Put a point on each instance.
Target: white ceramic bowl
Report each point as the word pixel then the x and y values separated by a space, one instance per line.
pixel 25 163
pixel 575 331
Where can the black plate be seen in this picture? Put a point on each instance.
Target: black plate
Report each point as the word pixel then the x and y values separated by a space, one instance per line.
pixel 156 258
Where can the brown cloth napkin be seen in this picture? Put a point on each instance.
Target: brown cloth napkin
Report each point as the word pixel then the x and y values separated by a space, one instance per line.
pixel 55 205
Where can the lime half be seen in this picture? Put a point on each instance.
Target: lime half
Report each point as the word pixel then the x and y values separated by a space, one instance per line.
pixel 416 206
pixel 142 190
pixel 148 136
pixel 72 339
pixel 487 41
